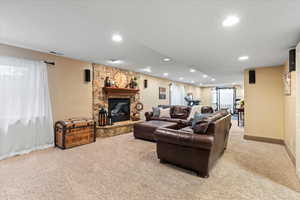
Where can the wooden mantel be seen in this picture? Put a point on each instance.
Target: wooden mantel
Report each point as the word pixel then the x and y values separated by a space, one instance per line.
pixel 120 91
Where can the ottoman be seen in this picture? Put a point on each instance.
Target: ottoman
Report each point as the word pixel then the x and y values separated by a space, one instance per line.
pixel 146 129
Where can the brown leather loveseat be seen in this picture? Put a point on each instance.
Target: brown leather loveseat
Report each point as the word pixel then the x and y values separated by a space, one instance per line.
pixel 177 114
pixel 198 152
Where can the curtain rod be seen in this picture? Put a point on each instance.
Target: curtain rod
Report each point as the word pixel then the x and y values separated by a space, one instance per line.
pixel 49 63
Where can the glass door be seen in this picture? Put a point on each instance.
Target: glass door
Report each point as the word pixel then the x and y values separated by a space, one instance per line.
pixel 226 99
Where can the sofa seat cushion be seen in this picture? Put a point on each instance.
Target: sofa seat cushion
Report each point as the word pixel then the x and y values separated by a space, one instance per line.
pixel 174 120
pixel 168 119
pixel 160 118
pixel 146 130
pixel 187 129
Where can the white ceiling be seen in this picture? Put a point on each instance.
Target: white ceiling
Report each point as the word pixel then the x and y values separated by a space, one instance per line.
pixel 190 32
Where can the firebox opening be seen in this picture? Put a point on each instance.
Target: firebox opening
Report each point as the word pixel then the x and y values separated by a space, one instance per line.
pixel 119 109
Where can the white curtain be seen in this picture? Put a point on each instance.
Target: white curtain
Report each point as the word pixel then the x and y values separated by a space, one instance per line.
pixel 25 110
pixel 177 94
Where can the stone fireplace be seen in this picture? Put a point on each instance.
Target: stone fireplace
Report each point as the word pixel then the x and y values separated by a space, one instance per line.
pixel 119 109
pixel 120 104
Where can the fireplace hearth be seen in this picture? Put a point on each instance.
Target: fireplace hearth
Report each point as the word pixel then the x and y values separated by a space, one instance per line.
pixel 119 109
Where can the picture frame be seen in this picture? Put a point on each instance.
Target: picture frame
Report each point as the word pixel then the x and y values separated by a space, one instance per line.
pixel 162 93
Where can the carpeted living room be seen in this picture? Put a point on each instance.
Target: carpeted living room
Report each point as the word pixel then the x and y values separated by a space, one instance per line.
pixel 130 100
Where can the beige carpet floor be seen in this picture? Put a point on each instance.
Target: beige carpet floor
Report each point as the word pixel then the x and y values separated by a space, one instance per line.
pixel 124 168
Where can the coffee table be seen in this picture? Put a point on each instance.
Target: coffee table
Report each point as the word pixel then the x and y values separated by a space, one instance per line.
pixel 146 129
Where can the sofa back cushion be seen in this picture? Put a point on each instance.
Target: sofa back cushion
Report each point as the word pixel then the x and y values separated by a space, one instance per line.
pixel 207 109
pixel 181 112
pixel 199 117
pixel 217 121
pixel 201 127
pixel 217 115
pixel 202 122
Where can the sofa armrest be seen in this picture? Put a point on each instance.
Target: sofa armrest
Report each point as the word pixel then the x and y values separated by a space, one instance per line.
pixel 148 115
pixel 184 138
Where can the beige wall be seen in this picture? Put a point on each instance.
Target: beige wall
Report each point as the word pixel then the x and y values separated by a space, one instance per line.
pixel 193 89
pixel 264 103
pixel 70 95
pixel 149 95
pixel 206 96
pixel 290 114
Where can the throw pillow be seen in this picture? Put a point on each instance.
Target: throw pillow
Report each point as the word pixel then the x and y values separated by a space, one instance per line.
pixel 198 117
pixel 156 111
pixel 165 113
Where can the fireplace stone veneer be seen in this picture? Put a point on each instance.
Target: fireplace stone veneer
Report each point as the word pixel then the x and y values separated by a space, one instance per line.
pixel 101 99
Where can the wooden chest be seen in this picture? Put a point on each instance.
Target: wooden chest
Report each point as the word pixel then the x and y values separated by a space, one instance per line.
pixel 74 132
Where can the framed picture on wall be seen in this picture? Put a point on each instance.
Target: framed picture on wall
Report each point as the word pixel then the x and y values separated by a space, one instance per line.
pixel 162 93
pixel 287 83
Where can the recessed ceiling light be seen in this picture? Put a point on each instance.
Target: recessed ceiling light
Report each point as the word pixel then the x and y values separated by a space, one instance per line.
pixel 167 59
pixel 115 61
pixel 166 74
pixel 230 21
pixel 204 76
pixel 192 70
pixel 242 58
pixel 181 78
pixel 117 38
pixel 213 79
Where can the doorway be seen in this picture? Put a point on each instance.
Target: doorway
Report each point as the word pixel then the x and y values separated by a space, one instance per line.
pixel 226 98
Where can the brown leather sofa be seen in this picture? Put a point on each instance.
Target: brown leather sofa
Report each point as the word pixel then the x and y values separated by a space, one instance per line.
pixel 178 114
pixel 197 152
